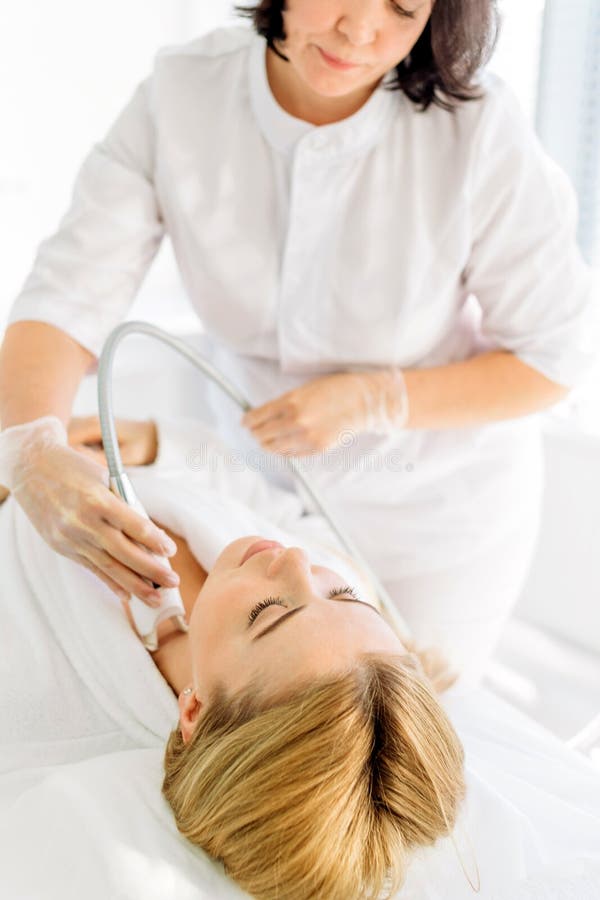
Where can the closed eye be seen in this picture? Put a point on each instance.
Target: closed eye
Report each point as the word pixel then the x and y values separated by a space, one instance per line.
pixel 270 601
pixel 405 13
pixel 298 609
pixel 336 592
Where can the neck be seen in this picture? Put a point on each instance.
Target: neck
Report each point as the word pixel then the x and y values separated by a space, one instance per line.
pixel 174 661
pixel 173 657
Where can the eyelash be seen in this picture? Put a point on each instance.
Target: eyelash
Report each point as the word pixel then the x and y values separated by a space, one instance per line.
pixel 277 601
pixel 405 13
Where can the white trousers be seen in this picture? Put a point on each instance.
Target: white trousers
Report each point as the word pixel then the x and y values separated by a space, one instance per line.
pixel 462 610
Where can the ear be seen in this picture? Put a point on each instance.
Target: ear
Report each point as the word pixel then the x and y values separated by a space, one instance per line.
pixel 189 713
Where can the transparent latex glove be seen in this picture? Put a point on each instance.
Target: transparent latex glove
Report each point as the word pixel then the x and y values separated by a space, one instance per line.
pixel 319 414
pixel 66 496
pixel 385 400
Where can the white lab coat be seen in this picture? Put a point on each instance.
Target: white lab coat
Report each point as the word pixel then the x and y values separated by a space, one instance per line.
pixel 392 236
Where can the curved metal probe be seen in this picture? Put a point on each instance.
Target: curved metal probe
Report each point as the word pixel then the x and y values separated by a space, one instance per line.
pixel 121 485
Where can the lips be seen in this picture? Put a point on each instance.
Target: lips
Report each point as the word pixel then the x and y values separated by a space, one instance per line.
pixel 335 62
pixel 256 547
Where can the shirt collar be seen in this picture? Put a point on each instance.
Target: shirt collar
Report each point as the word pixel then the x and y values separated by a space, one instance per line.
pixel 355 134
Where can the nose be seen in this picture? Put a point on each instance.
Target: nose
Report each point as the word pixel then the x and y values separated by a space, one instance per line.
pixel 291 561
pixel 357 24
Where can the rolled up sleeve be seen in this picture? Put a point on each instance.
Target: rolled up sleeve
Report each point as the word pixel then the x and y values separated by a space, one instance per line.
pixel 538 297
pixel 85 276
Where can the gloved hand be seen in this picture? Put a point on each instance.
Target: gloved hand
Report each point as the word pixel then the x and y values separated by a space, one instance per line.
pixel 67 498
pixel 312 417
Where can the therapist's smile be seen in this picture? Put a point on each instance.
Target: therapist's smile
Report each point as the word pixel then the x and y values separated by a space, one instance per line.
pixel 335 62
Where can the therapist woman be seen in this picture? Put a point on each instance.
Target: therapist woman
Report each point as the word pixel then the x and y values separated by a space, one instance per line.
pixel 383 259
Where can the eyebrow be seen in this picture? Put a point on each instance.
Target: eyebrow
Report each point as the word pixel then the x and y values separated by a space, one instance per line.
pixel 297 609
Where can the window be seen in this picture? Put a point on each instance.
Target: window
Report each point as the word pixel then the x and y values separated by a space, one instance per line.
pixel 516 57
pixel 568 110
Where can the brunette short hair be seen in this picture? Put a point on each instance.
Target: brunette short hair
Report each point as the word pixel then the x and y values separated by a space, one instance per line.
pixel 458 39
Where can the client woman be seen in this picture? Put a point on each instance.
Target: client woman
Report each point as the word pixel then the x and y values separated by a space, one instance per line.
pixel 312 755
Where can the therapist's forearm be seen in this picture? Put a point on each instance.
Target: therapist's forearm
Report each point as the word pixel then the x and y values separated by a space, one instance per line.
pixel 41 368
pixel 489 387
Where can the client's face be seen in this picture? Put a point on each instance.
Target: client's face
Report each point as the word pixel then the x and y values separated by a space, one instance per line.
pixel 278 619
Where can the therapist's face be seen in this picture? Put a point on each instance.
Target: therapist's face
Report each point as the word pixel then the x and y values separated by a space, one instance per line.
pixel 312 630
pixel 374 34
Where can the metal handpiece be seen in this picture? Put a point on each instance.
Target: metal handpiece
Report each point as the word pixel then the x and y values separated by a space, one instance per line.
pixel 147 618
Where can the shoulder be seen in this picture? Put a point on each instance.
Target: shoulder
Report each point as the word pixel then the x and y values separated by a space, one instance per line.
pixel 199 75
pixel 457 140
pixel 493 130
pixel 506 145
pixel 496 102
pixel 218 44
pixel 496 109
pixel 457 134
pixel 207 70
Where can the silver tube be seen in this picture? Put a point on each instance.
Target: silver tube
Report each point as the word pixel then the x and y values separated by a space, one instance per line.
pixel 118 478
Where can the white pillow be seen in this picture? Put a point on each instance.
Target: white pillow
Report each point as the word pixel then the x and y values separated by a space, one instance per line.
pixel 101 830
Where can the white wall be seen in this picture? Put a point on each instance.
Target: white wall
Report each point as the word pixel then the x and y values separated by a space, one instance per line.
pixel 562 590
pixel 67 67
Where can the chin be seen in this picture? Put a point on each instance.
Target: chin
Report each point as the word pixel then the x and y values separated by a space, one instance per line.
pixel 332 86
pixel 332 91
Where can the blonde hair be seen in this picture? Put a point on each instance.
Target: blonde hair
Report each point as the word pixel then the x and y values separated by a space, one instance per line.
pixel 323 794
